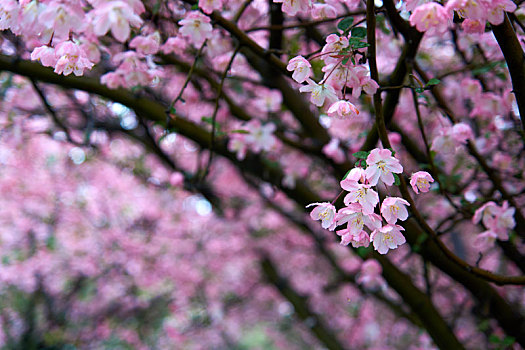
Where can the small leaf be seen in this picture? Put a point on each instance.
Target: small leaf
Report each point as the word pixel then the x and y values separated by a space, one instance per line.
pixel 347 173
pixel 195 7
pixel 361 154
pixel 419 89
pixel 508 341
pixel 397 181
pixel 433 81
pixel 239 131
pixel 494 339
pixel 359 32
pixel 345 60
pixel 345 24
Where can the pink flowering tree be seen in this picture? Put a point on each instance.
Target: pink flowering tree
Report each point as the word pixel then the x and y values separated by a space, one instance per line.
pixel 262 174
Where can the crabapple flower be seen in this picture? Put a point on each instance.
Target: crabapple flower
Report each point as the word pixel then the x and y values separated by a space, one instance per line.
pixel 333 151
pixel 9 14
pixel 71 59
pixel 360 239
pixel 323 11
pixel 45 54
pixel 208 6
pixel 291 7
pixel 301 68
pixel 362 194
pixel 196 27
pixel 320 93
pixel 334 44
pixel 450 138
pixel 326 213
pixel 146 45
pixel 497 8
pixel 496 219
pixel 393 208
pixel 353 215
pixel 431 17
pixel 420 181
pixel 343 109
pixel 260 136
pixel 387 237
pixel 356 174
pixel 485 240
pixel 381 165
pixel 117 16
pixel 61 19
pixel 471 9
pixel 370 275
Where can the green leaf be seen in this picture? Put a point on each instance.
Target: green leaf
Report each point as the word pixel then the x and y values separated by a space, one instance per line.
pixel 208 120
pixel 361 154
pixel 348 172
pixel 362 251
pixel 345 60
pixel 397 181
pixel 494 339
pixel 508 341
pixel 433 81
pixel 345 23
pixel 358 32
pixel 195 7
pixel 239 131
pixel 419 89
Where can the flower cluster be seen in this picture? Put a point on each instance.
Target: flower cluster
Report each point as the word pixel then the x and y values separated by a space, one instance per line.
pixel 341 55
pixel 361 200
pixel 498 220
pixel 434 18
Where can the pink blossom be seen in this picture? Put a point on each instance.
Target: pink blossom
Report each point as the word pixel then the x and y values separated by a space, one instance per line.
pixel 473 26
pixel 146 45
pixel 45 54
pixel 291 7
pixel 333 151
pixel 322 11
pixel 381 165
pixel 320 93
pixel 343 109
pixel 334 44
pixel 497 8
pixel 324 212
pixel 61 19
pixel 360 239
pixel 393 208
pixel 353 215
pixel 173 45
pixel 496 219
pixel 208 6
pixel 430 17
pixel 355 174
pixel 71 59
pixel 471 9
pixel 450 138
pixel 196 27
pixel 301 68
pixel 387 237
pixel 9 10
pixel 370 275
pixel 420 181
pixel 362 194
pixel 117 16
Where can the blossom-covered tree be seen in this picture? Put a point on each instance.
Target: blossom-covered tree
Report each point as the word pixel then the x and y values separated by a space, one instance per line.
pixel 163 166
